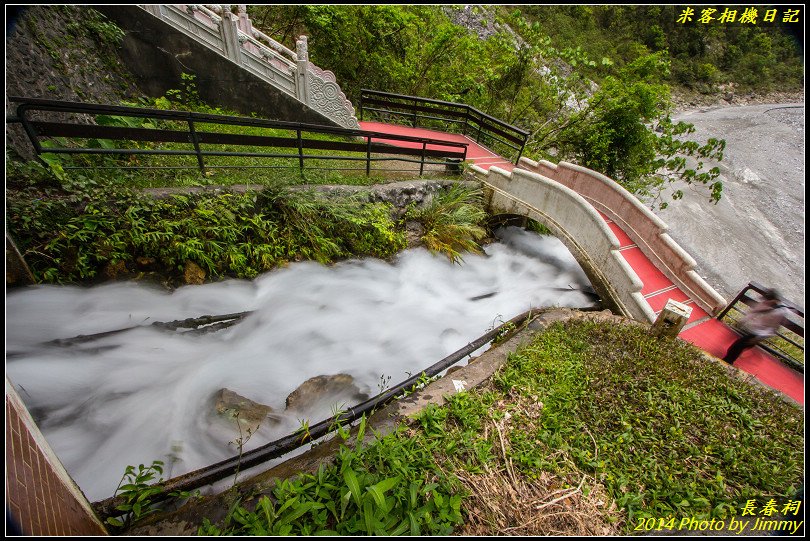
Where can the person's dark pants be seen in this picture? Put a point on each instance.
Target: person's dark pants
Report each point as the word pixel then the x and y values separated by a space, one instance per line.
pixel 744 342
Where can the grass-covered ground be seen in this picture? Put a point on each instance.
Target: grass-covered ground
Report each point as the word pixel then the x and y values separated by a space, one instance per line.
pixel 593 428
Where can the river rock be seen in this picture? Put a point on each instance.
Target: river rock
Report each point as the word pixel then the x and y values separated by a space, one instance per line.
pixel 113 270
pixel 325 391
pixel 453 369
pixel 146 263
pixel 414 231
pixel 234 406
pixel 193 274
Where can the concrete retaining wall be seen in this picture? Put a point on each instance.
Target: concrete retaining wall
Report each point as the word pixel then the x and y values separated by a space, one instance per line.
pixel 645 229
pixel 577 224
pixel 158 54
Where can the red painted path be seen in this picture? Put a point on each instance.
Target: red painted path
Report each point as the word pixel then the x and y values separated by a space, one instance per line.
pixel 475 153
pixel 707 333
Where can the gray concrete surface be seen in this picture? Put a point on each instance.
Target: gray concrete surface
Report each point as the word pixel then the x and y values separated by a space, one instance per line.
pixel 756 231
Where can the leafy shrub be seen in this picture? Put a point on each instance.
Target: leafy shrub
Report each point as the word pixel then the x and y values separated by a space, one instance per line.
pixel 452 221
pixel 374 490
pixel 73 237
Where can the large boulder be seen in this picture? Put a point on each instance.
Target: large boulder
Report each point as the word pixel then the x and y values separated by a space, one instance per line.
pixel 321 393
pixel 233 406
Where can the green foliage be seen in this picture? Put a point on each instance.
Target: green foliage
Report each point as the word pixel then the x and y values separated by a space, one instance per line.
pixel 139 494
pixel 505 332
pixel 452 221
pixel 379 489
pixel 537 227
pixel 535 71
pixel 102 29
pixel 187 97
pixel 80 25
pixel 755 57
pixel 74 236
pixel 614 135
pixel 666 432
pixel 405 49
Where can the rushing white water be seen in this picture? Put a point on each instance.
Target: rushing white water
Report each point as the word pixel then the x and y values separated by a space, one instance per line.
pixel 147 394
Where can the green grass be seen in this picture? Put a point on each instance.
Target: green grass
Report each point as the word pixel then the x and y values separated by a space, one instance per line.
pixel 389 487
pixel 675 436
pixel 452 221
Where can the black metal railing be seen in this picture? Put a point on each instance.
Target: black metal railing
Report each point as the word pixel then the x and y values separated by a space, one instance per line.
pixel 788 344
pixel 486 130
pixel 193 129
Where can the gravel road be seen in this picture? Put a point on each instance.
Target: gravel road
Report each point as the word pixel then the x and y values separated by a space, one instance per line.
pixel 756 231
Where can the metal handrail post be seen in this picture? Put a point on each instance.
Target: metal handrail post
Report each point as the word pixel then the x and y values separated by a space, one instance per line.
pixel 300 151
pixel 29 131
pixel 520 153
pixel 739 296
pixel 368 155
pixel 466 119
pixel 196 141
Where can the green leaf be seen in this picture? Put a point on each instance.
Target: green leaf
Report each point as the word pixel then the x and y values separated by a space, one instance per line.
pixel 368 517
pixel 297 512
pixel 378 490
pixel 354 485
pixel 415 530
pixel 401 529
pixel 361 432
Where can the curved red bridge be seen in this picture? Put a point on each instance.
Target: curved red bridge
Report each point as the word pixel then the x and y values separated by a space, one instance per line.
pixel 702 330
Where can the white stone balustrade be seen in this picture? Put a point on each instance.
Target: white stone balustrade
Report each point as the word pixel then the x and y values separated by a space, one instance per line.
pixel 232 35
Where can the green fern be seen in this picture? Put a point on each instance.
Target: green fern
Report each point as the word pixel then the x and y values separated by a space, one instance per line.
pixel 451 221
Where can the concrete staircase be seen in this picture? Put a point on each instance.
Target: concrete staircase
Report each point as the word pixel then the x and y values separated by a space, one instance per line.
pixel 233 37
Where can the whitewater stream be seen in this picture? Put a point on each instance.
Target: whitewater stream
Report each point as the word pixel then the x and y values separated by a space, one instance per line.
pixel 147 394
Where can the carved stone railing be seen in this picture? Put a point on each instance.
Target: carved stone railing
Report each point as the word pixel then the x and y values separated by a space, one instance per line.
pixel 233 36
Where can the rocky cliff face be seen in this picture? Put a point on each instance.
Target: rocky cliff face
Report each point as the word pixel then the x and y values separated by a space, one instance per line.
pixel 65 53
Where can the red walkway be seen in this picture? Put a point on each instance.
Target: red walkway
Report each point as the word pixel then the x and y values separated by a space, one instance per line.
pixel 475 153
pixel 707 333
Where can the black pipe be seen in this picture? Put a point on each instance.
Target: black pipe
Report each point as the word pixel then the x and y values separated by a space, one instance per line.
pixel 280 447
